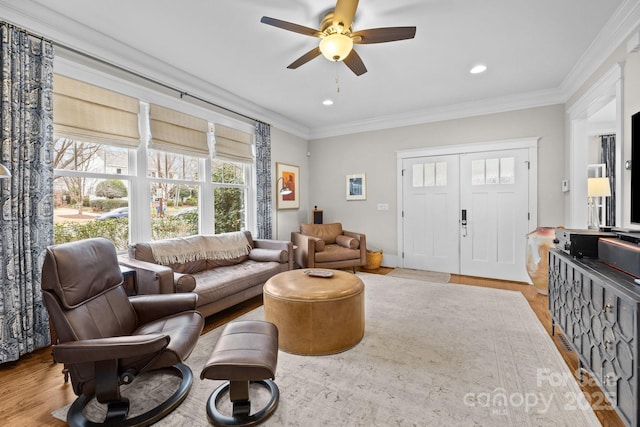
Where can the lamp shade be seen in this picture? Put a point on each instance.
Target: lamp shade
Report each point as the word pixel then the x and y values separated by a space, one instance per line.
pixel 4 172
pixel 598 187
pixel 336 47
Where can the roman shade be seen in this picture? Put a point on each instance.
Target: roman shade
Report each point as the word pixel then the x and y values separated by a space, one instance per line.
pixel 233 145
pixel 90 113
pixel 177 132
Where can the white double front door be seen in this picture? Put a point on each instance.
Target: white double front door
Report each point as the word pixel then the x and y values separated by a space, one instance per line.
pixel 467 213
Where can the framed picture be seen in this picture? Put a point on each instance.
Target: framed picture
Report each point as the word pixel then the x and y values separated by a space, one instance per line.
pixel 356 187
pixel 287 186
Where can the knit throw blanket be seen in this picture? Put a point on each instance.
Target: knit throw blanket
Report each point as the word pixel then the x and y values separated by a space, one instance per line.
pixel 193 248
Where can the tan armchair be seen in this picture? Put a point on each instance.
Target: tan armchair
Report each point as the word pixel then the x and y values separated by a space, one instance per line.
pixel 329 246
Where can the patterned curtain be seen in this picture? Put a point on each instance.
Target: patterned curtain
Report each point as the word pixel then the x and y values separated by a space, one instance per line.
pixel 26 209
pixel 263 184
pixel 609 159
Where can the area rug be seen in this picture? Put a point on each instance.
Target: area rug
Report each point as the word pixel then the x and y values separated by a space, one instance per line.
pixel 428 276
pixel 432 354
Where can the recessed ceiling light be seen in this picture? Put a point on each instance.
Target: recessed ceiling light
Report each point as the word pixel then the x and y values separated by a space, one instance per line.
pixel 327 102
pixel 480 68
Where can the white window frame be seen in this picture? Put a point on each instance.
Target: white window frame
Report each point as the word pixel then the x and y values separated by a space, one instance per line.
pixel 139 183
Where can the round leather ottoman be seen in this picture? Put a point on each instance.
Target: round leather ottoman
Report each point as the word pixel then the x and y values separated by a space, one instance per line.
pixel 315 315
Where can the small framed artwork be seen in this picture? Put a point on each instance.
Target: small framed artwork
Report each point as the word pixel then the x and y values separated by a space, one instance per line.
pixel 287 186
pixel 356 187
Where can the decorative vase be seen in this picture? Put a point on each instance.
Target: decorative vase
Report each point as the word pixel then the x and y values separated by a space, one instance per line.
pixel 374 259
pixel 538 243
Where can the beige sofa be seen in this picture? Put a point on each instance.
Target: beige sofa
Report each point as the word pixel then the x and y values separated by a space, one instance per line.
pixel 221 277
pixel 329 246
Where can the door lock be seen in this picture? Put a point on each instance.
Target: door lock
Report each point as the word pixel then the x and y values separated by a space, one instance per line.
pixel 463 222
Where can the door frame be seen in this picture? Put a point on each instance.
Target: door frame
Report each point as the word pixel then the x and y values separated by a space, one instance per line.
pixel 530 143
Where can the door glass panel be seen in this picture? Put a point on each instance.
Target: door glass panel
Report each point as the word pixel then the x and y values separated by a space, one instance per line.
pixel 418 175
pixel 493 171
pixel 477 172
pixel 429 175
pixel 441 174
pixel 507 170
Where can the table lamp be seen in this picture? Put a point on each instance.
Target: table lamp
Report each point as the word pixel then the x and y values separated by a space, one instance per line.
pixel 596 187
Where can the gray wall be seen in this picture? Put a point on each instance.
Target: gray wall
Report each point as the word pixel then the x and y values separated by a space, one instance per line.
pixel 292 150
pixel 374 153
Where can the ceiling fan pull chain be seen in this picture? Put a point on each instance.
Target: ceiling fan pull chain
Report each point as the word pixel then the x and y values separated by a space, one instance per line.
pixel 337 78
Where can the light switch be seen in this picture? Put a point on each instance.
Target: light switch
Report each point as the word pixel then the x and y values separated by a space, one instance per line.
pixel 383 206
pixel 565 185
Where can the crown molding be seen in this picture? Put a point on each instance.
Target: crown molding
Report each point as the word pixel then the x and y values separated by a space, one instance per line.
pixel 450 112
pixel 620 26
pixel 63 31
pixel 76 36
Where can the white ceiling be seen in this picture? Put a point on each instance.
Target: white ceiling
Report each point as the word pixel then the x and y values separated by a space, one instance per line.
pixel 529 46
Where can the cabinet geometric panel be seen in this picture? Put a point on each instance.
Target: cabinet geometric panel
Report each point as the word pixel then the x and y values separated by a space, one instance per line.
pixel 597 309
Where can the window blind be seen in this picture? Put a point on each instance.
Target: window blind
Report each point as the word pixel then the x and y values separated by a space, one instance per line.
pixel 92 114
pixel 177 132
pixel 233 145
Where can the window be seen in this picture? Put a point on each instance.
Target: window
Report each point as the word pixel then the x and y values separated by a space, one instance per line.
pixel 90 197
pixel 175 192
pixel 104 187
pixel 230 193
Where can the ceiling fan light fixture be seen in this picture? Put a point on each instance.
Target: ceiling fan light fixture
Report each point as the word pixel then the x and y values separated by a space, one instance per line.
pixel 336 47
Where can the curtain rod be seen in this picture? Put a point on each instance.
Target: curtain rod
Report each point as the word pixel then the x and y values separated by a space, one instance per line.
pixel 182 93
pixel 22 30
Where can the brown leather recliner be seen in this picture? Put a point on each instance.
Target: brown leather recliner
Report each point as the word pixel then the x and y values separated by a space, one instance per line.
pixel 106 338
pixel 329 246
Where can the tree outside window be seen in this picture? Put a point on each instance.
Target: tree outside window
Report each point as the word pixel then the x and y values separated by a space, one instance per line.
pixel 229 196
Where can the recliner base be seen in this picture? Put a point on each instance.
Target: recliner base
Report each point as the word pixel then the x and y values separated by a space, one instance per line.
pixel 242 408
pixel 117 411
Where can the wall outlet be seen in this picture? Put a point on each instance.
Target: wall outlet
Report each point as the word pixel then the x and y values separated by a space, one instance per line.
pixel 383 206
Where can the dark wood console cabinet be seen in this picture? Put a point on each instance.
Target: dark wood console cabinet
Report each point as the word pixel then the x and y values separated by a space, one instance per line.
pixel 597 309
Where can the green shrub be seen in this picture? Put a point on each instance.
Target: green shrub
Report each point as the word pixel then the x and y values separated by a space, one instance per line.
pixel 116 230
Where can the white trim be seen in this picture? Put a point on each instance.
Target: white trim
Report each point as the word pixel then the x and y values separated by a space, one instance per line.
pixel 608 88
pixel 619 27
pixel 476 147
pixel 530 143
pixel 442 113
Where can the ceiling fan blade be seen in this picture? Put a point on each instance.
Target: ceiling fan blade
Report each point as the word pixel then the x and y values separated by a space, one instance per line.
pixel 305 58
pixel 289 26
pixel 355 64
pixel 383 35
pixel 344 12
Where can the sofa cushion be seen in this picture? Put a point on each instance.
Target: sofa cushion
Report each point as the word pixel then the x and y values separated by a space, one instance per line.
pixel 334 253
pixel 327 232
pixel 348 242
pixel 275 255
pixel 213 285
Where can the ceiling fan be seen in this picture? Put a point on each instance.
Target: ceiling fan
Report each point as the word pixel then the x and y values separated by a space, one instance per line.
pixel 337 39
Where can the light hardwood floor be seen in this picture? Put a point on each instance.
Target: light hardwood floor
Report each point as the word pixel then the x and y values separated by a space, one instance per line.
pixel 33 387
